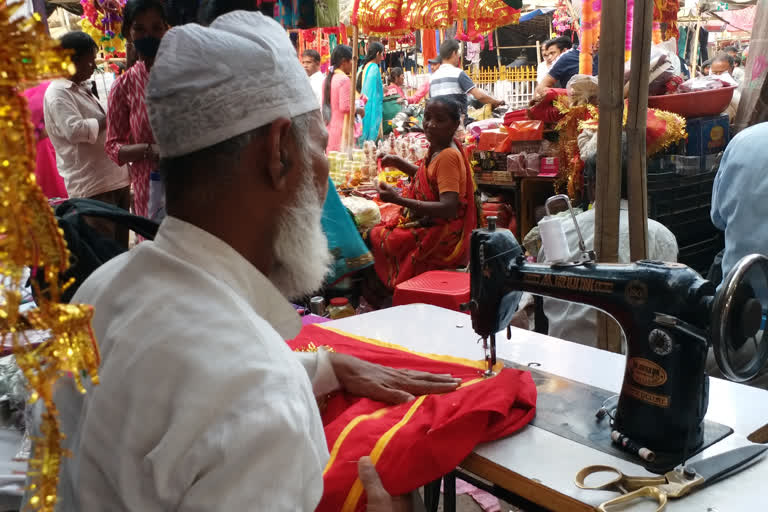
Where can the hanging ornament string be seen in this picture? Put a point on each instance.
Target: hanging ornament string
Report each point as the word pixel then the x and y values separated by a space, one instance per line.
pixel 30 237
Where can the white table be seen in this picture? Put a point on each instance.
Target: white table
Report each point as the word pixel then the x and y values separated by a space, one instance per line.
pixel 540 466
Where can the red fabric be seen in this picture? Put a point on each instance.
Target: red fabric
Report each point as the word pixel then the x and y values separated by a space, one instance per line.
pixel 440 432
pixel 544 110
pixel 515 115
pixel 128 123
pixel 428 46
pixel 402 251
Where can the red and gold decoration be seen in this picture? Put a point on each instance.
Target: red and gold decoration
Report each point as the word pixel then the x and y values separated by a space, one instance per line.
pixel 398 17
pixel 662 129
pixel 30 237
pixel 665 12
pixel 414 443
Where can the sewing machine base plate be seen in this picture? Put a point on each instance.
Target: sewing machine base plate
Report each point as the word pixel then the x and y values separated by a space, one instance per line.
pixel 567 408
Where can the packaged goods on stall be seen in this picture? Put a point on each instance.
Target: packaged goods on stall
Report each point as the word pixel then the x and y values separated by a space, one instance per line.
pixel 665 67
pixel 523 164
pixel 549 166
pixel 365 211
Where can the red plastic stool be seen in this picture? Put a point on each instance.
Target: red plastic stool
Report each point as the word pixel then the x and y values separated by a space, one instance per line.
pixel 437 287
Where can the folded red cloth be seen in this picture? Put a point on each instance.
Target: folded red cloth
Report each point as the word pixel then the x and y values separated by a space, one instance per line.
pixel 414 443
pixel 515 115
pixel 544 110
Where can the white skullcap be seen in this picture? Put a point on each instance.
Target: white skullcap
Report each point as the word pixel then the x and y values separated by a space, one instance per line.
pixel 208 85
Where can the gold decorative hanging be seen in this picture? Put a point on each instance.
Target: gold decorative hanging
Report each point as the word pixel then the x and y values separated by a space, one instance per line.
pixel 30 237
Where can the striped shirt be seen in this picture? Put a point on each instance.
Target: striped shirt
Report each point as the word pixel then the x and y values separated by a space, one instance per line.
pixel 451 81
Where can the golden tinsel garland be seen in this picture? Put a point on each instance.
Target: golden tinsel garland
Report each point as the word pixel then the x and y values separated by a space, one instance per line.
pixel 30 237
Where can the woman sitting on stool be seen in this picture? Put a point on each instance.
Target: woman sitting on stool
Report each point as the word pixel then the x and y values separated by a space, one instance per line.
pixel 438 208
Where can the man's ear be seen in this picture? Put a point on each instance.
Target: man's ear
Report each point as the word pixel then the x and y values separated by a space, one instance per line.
pixel 276 152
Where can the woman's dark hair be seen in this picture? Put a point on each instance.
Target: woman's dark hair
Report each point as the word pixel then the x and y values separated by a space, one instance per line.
pixel 394 74
pixel 374 49
pixel 341 53
pixel 135 7
pixel 451 106
pixel 80 42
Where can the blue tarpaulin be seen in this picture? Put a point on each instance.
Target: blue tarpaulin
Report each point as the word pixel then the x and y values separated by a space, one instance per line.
pixel 538 12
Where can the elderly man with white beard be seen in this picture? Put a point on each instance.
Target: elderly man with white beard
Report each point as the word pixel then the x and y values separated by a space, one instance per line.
pixel 201 405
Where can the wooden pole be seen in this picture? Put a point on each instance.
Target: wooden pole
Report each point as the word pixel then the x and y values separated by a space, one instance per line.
pixel 350 142
pixel 637 116
pixel 607 202
pixel 538 53
pixel 498 52
pixel 695 49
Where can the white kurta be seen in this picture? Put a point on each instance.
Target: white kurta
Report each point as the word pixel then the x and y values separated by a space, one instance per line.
pixel 201 406
pixel 578 323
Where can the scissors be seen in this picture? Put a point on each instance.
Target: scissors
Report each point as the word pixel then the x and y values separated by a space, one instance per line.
pixel 674 484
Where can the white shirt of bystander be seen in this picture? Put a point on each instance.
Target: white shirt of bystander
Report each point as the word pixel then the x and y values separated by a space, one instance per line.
pixel 578 323
pixel 72 116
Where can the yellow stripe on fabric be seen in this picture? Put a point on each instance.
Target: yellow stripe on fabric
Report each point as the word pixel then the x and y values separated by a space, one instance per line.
pixel 357 488
pixel 480 365
pixel 344 433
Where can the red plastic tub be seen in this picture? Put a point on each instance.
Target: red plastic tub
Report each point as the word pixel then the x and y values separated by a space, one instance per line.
pixel 694 104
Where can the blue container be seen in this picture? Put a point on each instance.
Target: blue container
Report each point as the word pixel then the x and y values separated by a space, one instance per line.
pixel 707 135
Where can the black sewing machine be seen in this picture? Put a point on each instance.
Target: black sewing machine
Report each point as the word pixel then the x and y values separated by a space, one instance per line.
pixel 670 316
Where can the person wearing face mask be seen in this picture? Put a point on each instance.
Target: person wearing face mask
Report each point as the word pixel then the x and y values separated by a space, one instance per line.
pixel 722 67
pixel 75 123
pixel 438 209
pixel 129 135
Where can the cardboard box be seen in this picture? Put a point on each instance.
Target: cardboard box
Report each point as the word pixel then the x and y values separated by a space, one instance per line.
pixel 707 135
pixel 490 139
pixel 550 165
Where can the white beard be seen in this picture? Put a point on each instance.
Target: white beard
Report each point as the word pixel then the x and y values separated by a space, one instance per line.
pixel 302 258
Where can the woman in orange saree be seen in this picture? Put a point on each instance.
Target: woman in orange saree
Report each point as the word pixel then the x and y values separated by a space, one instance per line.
pixel 437 210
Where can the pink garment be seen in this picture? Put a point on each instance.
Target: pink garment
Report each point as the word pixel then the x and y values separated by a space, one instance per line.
pixel 341 86
pixel 394 89
pixel 46 173
pixel 128 123
pixel 420 93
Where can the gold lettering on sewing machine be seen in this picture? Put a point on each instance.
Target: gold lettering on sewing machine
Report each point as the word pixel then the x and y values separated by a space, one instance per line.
pixel 650 398
pixel 647 373
pixel 577 284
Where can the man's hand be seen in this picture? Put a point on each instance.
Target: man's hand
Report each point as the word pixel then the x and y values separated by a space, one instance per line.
pixel 497 103
pixel 379 499
pixel 385 384
pixel 386 192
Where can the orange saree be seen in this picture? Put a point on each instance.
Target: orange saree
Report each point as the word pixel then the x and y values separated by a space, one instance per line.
pixel 415 443
pixel 405 246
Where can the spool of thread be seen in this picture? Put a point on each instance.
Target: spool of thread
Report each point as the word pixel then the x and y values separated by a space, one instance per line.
pixel 553 240
pixel 317 306
pixel 630 446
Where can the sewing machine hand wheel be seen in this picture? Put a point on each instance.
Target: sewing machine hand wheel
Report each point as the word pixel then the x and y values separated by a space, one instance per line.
pixel 739 319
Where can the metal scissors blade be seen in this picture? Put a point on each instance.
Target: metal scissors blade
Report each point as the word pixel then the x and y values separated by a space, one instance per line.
pixel 673 484
pixel 713 468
